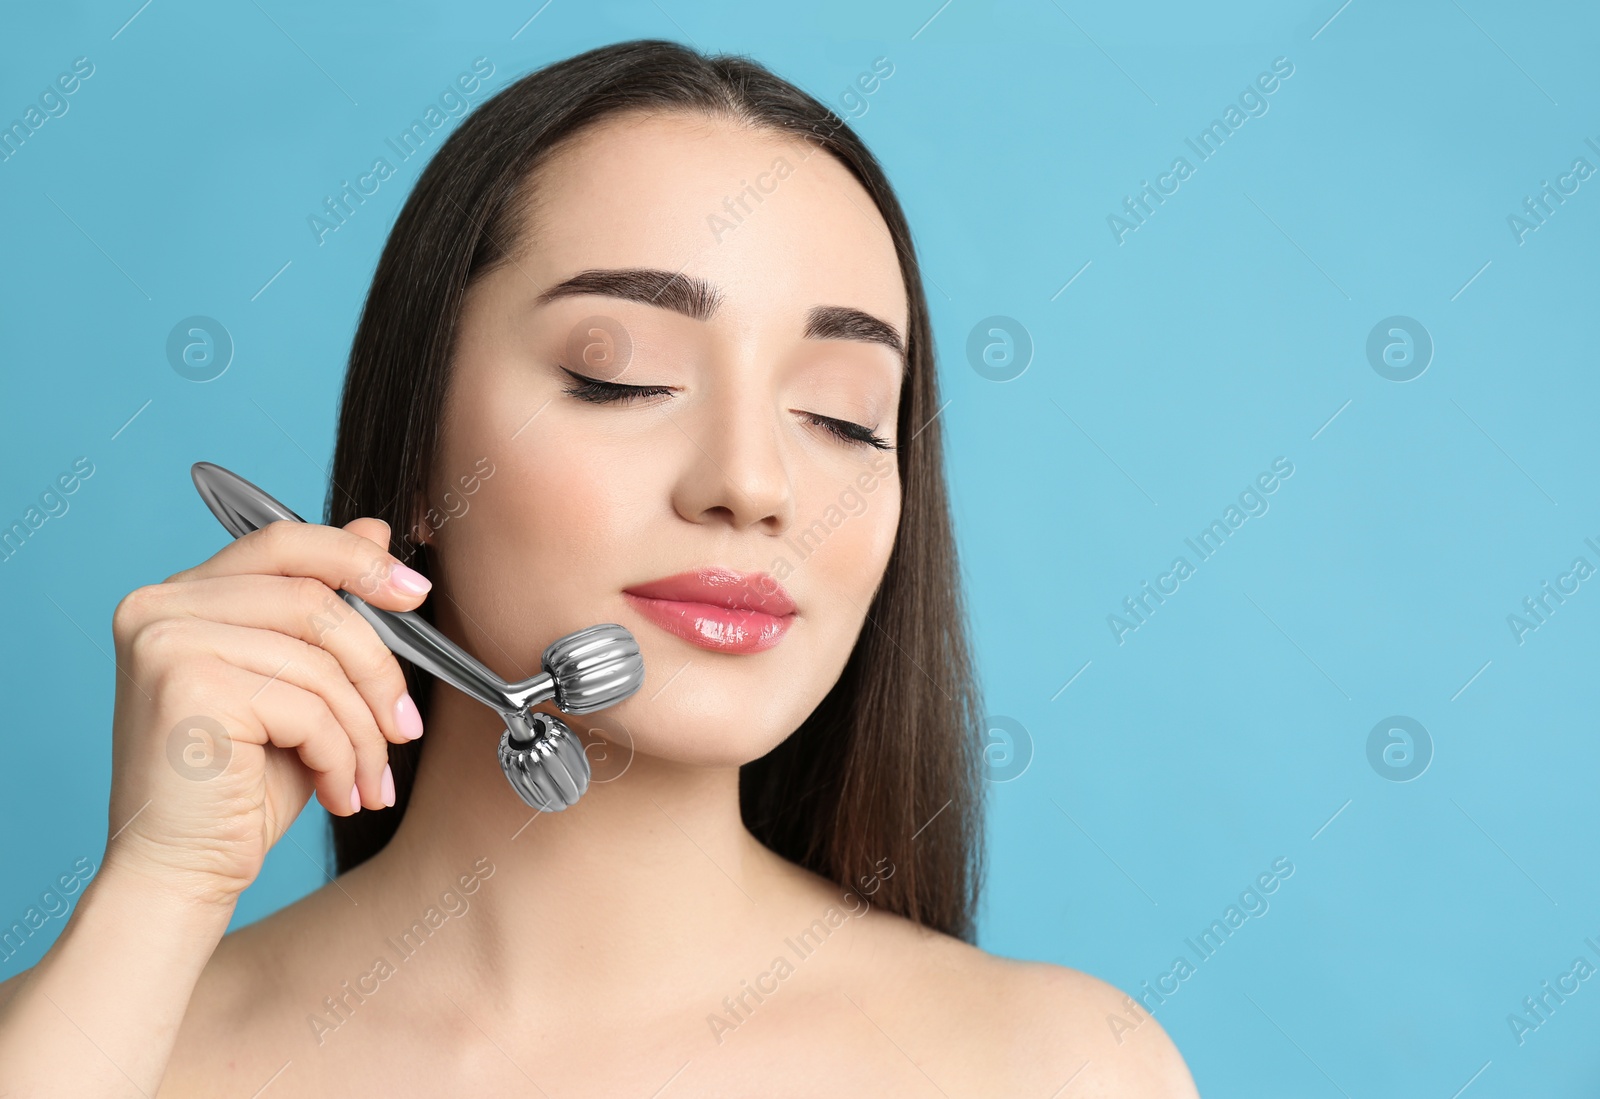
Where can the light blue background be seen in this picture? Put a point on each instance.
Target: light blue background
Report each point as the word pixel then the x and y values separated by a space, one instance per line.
pixel 1229 330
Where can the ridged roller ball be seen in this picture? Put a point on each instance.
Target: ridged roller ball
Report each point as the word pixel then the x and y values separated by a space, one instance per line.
pixel 550 772
pixel 593 668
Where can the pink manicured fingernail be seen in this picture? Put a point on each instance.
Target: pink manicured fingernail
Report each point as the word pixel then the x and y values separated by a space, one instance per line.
pixel 407 717
pixel 409 579
pixel 355 798
pixel 388 785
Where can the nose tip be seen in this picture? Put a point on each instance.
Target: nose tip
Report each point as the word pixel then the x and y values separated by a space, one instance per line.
pixel 739 475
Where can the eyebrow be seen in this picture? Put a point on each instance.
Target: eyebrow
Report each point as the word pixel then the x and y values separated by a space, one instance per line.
pixel 699 300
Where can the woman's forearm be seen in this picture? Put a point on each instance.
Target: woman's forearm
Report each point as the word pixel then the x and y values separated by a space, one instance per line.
pixel 98 1015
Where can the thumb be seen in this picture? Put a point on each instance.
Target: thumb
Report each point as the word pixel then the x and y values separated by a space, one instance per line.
pixel 375 530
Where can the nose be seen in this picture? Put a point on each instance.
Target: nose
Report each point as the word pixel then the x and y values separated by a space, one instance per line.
pixel 735 472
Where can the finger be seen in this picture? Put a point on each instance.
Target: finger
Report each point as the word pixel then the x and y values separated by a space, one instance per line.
pixel 341 559
pixel 310 611
pixel 299 721
pixel 373 529
pixel 276 656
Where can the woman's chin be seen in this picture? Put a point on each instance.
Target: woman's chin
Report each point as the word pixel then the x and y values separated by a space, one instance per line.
pixel 614 746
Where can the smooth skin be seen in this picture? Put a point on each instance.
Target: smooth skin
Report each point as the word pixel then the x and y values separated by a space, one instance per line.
pixel 590 952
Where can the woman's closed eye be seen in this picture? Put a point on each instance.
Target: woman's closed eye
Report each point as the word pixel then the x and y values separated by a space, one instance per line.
pixel 596 391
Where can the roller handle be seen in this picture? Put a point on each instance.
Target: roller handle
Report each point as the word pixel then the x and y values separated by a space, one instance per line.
pixel 242 507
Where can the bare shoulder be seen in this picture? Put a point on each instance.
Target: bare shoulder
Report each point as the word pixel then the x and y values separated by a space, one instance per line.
pixel 9 986
pixel 1083 1029
pixel 234 993
pixel 245 1018
pixel 1031 1027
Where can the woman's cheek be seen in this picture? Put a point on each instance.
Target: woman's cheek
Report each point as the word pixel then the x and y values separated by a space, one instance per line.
pixel 875 531
pixel 595 494
pixel 887 525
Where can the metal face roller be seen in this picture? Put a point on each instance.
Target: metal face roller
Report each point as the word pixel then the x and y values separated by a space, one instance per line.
pixel 584 671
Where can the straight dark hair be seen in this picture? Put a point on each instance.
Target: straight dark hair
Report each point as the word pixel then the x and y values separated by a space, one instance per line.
pixel 884 778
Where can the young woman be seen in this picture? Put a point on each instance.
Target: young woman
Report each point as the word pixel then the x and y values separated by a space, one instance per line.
pixel 647 345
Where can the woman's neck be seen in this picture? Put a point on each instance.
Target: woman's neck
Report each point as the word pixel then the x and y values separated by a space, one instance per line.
pixel 623 895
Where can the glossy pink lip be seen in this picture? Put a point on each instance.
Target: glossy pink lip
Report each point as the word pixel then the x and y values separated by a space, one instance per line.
pixel 719 609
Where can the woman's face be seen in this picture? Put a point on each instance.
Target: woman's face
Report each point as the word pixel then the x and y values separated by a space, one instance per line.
pixel 777 350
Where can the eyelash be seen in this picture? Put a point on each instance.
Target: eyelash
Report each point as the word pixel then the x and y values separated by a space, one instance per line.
pixel 598 392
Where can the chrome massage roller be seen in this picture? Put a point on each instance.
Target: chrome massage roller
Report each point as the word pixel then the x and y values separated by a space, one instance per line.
pixel 588 670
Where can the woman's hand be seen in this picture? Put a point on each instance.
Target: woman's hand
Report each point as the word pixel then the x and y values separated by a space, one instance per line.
pixel 245 683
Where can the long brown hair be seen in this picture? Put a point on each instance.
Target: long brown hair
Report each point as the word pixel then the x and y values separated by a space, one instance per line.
pixel 884 779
